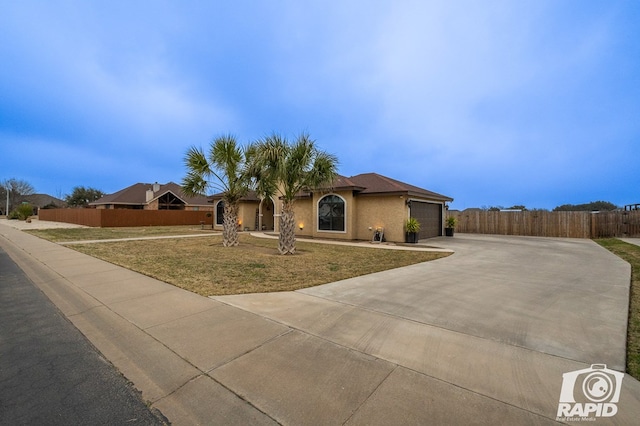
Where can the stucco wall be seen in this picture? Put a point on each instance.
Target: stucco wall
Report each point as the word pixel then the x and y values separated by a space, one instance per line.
pixel 362 212
pixel 388 212
pixel 304 216
pixel 247 215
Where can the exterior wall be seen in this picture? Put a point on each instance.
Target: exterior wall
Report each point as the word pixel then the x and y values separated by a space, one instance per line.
pixel 389 212
pixel 304 216
pixel 152 205
pixel 363 215
pixel 247 215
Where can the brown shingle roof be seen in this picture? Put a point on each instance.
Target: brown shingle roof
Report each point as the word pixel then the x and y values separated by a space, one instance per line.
pixel 374 183
pixel 136 194
pixel 366 183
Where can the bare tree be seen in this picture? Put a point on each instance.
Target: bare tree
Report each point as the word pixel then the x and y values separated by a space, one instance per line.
pixel 18 189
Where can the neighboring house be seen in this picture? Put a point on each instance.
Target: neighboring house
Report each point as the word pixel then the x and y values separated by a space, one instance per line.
pixel 147 196
pixel 42 201
pixel 353 209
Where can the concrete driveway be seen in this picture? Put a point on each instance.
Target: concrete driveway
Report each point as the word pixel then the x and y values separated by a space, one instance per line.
pixel 502 318
pixel 481 337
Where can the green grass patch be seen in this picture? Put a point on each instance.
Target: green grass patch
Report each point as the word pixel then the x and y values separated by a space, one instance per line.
pixel 631 254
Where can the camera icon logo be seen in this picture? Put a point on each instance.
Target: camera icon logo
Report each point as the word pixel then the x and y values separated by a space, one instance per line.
pixel 590 392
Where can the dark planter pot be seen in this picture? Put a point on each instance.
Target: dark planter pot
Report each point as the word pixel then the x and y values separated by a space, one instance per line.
pixel 448 232
pixel 411 237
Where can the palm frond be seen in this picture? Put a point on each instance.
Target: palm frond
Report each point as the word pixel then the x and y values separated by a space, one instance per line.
pixel 194 184
pixel 196 161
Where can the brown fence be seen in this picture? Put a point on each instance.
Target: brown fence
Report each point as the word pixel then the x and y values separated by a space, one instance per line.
pixel 125 217
pixel 551 224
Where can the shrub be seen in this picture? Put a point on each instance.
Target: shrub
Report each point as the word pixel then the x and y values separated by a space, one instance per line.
pixel 23 211
pixel 412 225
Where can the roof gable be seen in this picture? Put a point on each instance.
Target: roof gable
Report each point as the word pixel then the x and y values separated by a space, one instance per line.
pixel 136 194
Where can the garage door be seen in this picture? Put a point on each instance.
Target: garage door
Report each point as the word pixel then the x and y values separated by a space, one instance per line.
pixel 430 217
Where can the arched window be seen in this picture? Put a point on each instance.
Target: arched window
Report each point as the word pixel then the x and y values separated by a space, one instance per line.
pixel 331 213
pixel 220 213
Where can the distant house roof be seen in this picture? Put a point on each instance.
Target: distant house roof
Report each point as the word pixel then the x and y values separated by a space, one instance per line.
pixel 41 200
pixel 136 194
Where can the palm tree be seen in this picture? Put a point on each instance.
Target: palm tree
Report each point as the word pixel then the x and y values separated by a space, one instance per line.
pixel 284 169
pixel 224 170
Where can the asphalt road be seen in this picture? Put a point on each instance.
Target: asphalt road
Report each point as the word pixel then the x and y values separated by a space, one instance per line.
pixel 49 373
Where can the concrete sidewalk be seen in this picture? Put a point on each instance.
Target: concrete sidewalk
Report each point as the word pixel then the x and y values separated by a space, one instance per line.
pixel 320 356
pixel 635 241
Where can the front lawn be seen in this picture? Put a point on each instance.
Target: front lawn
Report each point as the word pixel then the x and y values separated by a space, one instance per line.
pixel 203 266
pixel 60 235
pixel 630 253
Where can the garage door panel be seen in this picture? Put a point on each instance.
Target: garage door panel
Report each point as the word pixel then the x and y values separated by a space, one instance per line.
pixel 430 217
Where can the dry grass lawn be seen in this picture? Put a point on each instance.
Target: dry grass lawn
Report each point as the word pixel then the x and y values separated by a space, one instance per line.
pixel 60 235
pixel 203 266
pixel 630 253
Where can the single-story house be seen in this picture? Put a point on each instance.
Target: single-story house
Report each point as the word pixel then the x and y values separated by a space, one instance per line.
pixel 360 207
pixel 147 196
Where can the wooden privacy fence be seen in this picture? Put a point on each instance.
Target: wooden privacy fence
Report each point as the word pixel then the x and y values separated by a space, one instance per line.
pixel 103 218
pixel 550 224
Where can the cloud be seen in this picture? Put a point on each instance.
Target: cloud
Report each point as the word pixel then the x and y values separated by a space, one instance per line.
pixel 479 101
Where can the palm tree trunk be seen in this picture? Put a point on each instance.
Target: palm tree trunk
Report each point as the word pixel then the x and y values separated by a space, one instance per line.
pixel 230 225
pixel 287 240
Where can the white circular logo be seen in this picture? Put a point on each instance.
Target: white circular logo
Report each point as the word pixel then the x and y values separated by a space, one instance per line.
pixel 597 387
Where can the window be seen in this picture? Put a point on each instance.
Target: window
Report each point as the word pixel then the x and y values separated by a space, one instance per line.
pixel 331 213
pixel 220 213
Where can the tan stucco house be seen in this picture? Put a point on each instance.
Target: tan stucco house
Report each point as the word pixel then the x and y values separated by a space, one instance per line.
pixel 152 196
pixel 355 208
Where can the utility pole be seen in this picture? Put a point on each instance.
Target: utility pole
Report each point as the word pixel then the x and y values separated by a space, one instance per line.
pixel 6 212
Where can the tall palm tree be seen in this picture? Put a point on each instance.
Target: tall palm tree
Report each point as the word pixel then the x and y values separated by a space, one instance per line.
pixel 224 169
pixel 284 169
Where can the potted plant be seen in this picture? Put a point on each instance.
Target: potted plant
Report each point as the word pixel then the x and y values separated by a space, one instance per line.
pixel 412 227
pixel 450 224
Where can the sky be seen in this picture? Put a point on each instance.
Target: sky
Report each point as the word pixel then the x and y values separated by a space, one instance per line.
pixel 492 103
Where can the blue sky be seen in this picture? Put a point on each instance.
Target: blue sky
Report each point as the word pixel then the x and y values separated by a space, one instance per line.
pixel 528 102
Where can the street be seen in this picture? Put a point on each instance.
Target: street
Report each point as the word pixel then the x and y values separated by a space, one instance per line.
pixel 49 372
